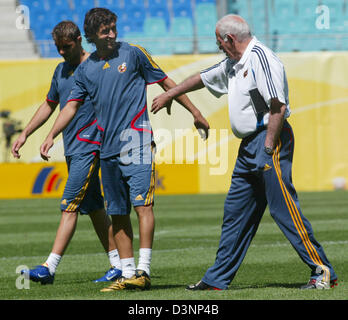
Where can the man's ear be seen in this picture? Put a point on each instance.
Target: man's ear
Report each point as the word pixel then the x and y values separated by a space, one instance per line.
pixel 231 38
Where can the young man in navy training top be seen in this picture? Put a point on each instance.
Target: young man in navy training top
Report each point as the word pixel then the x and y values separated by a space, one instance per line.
pixel 115 76
pixel 81 139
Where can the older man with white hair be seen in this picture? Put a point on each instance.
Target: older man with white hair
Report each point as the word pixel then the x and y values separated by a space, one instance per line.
pixel 255 81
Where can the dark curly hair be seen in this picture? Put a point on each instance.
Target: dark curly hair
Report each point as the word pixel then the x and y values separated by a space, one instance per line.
pixel 66 30
pixel 95 18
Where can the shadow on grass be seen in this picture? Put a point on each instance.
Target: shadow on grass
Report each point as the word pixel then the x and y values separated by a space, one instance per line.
pixel 267 285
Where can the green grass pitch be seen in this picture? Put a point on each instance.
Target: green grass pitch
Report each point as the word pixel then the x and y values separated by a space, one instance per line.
pixel 186 240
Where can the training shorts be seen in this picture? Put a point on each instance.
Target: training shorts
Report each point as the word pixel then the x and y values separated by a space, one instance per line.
pixel 129 179
pixel 82 190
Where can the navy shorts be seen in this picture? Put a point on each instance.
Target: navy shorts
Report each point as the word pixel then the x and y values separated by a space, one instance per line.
pixel 82 190
pixel 128 180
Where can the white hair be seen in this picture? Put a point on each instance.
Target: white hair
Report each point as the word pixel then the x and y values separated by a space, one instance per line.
pixel 233 24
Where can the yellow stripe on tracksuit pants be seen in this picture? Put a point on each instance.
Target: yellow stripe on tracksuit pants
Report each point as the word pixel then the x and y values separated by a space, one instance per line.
pixel 253 187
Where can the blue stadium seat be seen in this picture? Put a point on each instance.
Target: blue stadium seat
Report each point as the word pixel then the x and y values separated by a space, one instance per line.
pixel 181 33
pixel 87 46
pixel 60 14
pixel 156 33
pixel 182 8
pixel 135 4
pixel 206 37
pixel 207 46
pixel 158 4
pixel 38 5
pixel 82 6
pixel 112 5
pixel 48 50
pixel 135 14
pixel 159 47
pixel 155 26
pixel 205 28
pixel 129 26
pixel 241 8
pixel 206 12
pixel 59 4
pixel 43 32
pixel 159 12
pixel 207 1
pixel 135 38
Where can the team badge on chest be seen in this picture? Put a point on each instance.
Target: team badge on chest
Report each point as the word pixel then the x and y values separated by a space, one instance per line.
pixel 122 68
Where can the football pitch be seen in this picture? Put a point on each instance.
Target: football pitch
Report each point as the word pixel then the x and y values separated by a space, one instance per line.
pixel 186 239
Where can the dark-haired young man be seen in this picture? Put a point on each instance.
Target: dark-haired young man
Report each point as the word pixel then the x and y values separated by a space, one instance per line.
pixel 115 77
pixel 82 192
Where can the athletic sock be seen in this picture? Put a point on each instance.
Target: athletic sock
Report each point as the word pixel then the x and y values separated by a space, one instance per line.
pixel 114 259
pixel 145 255
pixel 52 262
pixel 128 267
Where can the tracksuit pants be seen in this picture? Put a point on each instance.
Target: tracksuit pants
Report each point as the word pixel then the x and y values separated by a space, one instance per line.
pixel 259 179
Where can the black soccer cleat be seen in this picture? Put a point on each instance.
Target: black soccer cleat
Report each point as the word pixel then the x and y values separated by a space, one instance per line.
pixel 200 285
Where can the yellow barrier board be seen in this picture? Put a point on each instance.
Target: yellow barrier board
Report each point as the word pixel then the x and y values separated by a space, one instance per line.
pixel 47 180
pixel 32 180
pixel 318 99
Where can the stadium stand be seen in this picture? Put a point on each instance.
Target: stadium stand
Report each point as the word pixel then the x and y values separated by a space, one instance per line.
pixel 186 26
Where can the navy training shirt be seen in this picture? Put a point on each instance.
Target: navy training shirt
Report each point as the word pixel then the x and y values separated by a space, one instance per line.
pixel 117 87
pixel 82 134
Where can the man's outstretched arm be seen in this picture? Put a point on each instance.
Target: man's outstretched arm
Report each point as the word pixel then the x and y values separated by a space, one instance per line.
pixel 42 114
pixel 63 119
pixel 177 92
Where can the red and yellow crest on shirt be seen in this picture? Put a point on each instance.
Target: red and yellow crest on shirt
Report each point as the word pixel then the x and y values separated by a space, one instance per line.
pixel 122 68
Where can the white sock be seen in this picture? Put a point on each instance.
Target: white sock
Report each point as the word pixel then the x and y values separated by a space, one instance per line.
pixel 145 255
pixel 52 262
pixel 128 267
pixel 114 259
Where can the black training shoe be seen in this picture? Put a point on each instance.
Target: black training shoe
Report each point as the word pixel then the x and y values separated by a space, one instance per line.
pixel 200 285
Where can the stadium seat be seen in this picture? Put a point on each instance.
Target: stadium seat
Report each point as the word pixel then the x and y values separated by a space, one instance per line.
pixel 48 50
pixel 206 12
pixel 135 14
pixel 182 8
pixel 158 4
pixel 159 47
pixel 82 6
pixel 38 5
pixel 206 41
pixel 155 32
pixel 135 4
pixel 241 8
pixel 112 5
pixel 207 1
pixel 87 46
pixel 59 5
pixel 129 27
pixel 159 9
pixel 155 26
pixel 181 33
pixel 136 38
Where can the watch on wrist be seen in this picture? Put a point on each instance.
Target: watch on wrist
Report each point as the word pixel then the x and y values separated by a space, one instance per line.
pixel 268 150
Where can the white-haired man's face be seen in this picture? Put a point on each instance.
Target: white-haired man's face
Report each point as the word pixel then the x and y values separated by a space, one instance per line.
pixel 227 45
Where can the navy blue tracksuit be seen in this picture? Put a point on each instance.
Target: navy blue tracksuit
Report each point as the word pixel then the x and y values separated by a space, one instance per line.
pixel 259 179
